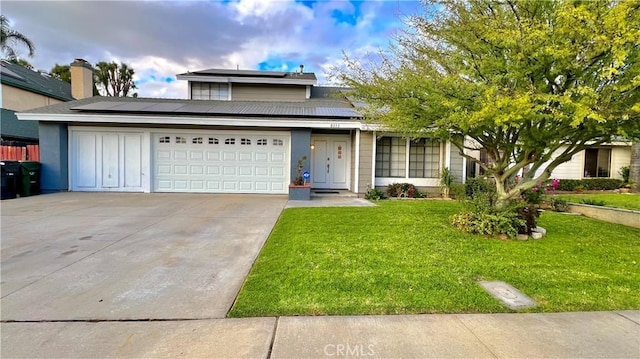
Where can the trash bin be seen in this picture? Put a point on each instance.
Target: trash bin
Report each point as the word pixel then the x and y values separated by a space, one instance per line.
pixel 29 179
pixel 10 173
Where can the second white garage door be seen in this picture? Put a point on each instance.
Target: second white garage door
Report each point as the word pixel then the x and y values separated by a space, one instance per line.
pixel 221 162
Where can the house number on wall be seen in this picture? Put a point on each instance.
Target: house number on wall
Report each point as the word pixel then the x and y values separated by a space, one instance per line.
pixel 339 152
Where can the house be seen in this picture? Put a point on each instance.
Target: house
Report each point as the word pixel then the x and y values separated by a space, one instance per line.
pixel 603 161
pixel 24 89
pixel 238 132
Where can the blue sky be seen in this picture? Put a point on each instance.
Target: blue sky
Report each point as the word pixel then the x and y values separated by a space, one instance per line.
pixel 162 38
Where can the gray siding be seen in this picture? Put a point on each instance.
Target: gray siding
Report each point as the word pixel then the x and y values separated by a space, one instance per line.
pixel 366 156
pixel 256 92
pixel 54 157
pixel 300 146
pixel 456 164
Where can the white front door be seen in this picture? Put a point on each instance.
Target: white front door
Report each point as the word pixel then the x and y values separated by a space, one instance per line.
pixel 330 162
pixel 107 161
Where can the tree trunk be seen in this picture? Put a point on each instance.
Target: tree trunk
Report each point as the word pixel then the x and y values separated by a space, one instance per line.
pixel 634 167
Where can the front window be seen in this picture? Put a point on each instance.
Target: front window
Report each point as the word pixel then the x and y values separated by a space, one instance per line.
pixel 209 91
pixel 424 159
pixel 390 157
pixel 597 162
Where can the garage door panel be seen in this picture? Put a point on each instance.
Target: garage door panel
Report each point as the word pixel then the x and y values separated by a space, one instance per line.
pixel 180 155
pixel 228 156
pixel 245 171
pixel 214 186
pixel 196 155
pixel 163 155
pixel 221 162
pixel 86 160
pixel 262 171
pixel 277 171
pixel 180 170
pixel 197 170
pixel 262 156
pixel 245 156
pixel 245 186
pixel 197 185
pixel 230 185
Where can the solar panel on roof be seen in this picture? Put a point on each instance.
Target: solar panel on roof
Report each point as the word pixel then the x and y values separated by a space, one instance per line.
pixel 133 106
pixel 226 108
pixel 194 109
pixel 99 106
pixel 165 107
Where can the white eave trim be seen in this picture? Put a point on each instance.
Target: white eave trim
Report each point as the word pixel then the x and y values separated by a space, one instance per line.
pixel 205 121
pixel 247 80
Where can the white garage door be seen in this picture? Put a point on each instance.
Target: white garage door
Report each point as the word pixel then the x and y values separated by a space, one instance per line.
pixel 107 161
pixel 221 162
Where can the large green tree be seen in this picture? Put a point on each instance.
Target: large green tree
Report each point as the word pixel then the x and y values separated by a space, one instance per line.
pixel 113 79
pixel 531 82
pixel 61 72
pixel 9 38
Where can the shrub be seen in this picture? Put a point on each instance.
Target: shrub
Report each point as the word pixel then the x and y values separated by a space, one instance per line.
pixel 489 223
pixel 559 204
pixel 593 202
pixel 625 173
pixel 375 194
pixel 479 185
pixel 446 181
pixel 480 217
pixel 590 184
pixel 401 190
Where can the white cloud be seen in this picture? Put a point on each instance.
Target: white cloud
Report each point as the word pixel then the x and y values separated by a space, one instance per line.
pixel 162 38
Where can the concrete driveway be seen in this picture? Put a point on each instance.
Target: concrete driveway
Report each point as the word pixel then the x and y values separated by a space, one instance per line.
pixel 117 256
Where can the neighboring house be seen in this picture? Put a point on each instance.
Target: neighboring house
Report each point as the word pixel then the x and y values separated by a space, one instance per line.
pixel 24 89
pixel 239 132
pixel 604 161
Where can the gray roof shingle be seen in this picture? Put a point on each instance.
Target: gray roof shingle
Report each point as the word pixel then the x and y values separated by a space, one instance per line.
pixel 328 107
pixel 33 81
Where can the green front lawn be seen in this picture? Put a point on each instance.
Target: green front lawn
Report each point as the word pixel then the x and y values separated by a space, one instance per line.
pixel 618 200
pixel 404 257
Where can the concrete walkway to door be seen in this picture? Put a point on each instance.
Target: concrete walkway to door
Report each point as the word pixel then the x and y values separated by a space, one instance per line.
pixel 129 256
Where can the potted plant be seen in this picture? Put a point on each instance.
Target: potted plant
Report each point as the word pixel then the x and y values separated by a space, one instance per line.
pixel 300 190
pixel 446 182
pixel 625 173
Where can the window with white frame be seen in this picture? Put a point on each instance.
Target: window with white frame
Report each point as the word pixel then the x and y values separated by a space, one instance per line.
pixel 597 162
pixel 424 158
pixel 209 91
pixel 391 158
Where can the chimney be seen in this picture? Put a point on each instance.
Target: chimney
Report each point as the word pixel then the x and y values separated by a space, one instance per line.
pixel 81 79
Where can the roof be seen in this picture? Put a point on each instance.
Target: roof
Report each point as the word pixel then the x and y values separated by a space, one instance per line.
pixel 10 126
pixel 33 81
pixel 329 107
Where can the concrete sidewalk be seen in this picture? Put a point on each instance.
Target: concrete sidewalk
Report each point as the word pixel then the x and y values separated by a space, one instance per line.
pixel 552 335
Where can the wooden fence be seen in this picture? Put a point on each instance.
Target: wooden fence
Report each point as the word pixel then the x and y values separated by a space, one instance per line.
pixel 20 153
